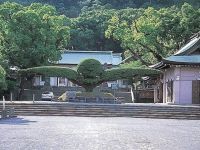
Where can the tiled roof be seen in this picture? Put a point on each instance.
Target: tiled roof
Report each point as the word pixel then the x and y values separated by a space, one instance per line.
pixel 75 57
pixel 185 56
pixel 192 59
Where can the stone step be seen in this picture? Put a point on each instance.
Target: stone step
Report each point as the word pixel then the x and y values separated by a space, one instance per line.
pixel 102 112
pixel 113 109
pixel 106 114
pixel 106 110
pixel 103 105
pixel 96 109
pixel 116 115
pixel 110 111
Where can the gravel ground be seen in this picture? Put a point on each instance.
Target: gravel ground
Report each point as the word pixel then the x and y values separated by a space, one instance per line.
pixel 90 133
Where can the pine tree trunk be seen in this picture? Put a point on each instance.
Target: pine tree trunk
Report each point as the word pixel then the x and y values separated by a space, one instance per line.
pixel 21 89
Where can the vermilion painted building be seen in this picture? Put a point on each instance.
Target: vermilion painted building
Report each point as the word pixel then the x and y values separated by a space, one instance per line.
pixel 181 74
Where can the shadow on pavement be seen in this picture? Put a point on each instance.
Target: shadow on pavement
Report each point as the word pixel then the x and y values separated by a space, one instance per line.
pixel 16 121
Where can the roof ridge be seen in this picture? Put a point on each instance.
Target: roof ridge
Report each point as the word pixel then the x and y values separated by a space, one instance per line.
pixel 191 45
pixel 195 35
pixel 80 51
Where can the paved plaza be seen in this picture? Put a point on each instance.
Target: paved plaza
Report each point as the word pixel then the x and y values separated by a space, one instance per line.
pixel 89 133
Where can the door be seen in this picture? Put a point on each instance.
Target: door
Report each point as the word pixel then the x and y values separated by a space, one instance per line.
pixel 196 92
pixel 170 91
pixel 160 92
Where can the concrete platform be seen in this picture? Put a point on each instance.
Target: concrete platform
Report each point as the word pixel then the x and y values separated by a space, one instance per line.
pixel 90 133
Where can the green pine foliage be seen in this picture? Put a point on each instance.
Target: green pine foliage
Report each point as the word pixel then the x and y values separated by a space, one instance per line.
pixel 90 73
pixel 90 68
pixel 51 71
pixel 127 73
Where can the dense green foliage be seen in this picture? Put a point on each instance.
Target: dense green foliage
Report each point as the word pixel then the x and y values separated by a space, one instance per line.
pixel 73 8
pixel 127 73
pixel 90 68
pixel 89 73
pixel 153 34
pixel 51 71
pixel 90 20
pixel 148 34
pixel 2 79
pixel 88 31
pixel 32 35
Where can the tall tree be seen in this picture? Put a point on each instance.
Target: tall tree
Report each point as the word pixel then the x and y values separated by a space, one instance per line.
pixel 33 35
pixel 155 33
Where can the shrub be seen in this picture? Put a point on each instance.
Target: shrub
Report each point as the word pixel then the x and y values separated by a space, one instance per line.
pixel 90 69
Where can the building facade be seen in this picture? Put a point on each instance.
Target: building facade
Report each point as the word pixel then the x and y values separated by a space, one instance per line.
pixel 181 75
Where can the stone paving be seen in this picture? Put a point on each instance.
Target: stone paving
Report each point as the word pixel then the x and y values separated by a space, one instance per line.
pixel 90 133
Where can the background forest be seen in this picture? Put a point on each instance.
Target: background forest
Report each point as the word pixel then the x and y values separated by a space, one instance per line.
pixel 72 8
pixel 34 32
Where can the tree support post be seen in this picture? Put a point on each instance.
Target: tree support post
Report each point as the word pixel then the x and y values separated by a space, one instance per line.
pixel 11 96
pixel 33 98
pixel 132 95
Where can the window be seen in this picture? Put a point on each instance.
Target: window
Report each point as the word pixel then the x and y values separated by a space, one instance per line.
pixel 62 81
pixel 36 81
pixel 53 81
